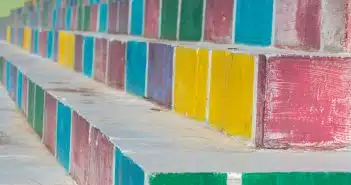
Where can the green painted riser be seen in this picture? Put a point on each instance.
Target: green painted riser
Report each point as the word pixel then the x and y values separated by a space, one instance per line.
pixel 39 110
pixel 294 178
pixel 1 69
pixel 31 103
pixel 169 19
pixel 191 20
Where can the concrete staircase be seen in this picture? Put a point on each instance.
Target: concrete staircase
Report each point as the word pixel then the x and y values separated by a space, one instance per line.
pixel 190 92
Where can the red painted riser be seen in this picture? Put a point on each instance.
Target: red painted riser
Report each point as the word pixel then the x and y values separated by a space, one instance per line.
pixel 308 103
pixel 100 59
pixel 49 138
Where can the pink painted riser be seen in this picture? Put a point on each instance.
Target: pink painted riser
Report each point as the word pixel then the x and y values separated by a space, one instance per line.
pixel 50 123
pixel 307 103
pixel 151 18
pixel 218 21
pixel 100 59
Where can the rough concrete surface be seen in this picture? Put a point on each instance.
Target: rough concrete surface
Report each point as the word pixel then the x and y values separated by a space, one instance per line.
pixel 23 159
pixel 157 140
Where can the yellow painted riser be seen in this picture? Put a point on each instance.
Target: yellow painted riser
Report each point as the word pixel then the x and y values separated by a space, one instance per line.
pixel 66 49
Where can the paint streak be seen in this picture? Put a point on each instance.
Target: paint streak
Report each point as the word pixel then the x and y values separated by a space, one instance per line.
pixel 191 76
pixel 298 24
pixel 231 93
pixel 78 53
pixel 100 59
pixel 253 24
pixel 49 138
pixel 63 136
pixel 116 64
pixel 301 178
pixel 136 67
pixel 94 17
pixel 112 17
pixel 188 179
pixel 218 21
pixel 80 149
pixel 160 74
pixel 152 8
pixel 123 17
pixel 308 103
pixel 100 158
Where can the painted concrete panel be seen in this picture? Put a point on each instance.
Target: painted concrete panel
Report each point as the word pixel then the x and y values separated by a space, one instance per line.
pixel 219 20
pixel 42 43
pixel 101 153
pixel 100 59
pixel 253 25
pixel 137 17
pixel 191 15
pixel 160 74
pixel 94 17
pixel 19 89
pixel 123 17
pixel 50 44
pixel 333 24
pixel 66 49
pixel 25 95
pixel 27 38
pixel 8 33
pixel 78 56
pixel 298 26
pixel 231 93
pixel 116 64
pixel 103 16
pixel 152 14
pixel 189 179
pixel 112 17
pixel 39 110
pixel 191 76
pixel 260 100
pixel 49 137
pixel 136 67
pixel 68 18
pixel 74 21
pixel 169 19
pixel 80 149
pixel 35 41
pixel 88 54
pixel 131 172
pixel 63 135
pixel 55 52
pixel 2 70
pixel 307 102
pixel 31 102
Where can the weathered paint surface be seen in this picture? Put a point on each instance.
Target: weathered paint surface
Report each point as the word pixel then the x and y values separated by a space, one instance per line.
pixel 188 179
pixel 260 101
pixel 136 67
pixel 231 93
pixel 191 75
pixel 94 17
pixel 116 64
pixel 301 178
pixel 88 54
pixel 298 26
pixel 191 15
pixel 126 171
pixel 100 59
pixel 103 14
pixel 152 12
pixel 137 17
pixel 49 138
pixel 112 17
pixel 253 24
pixel 160 74
pixel 169 19
pixel 123 16
pixel 100 158
pixel 333 24
pixel 219 20
pixel 78 57
pixel 80 149
pixel 39 110
pixel 25 94
pixel 27 38
pixel 308 102
pixel 63 134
